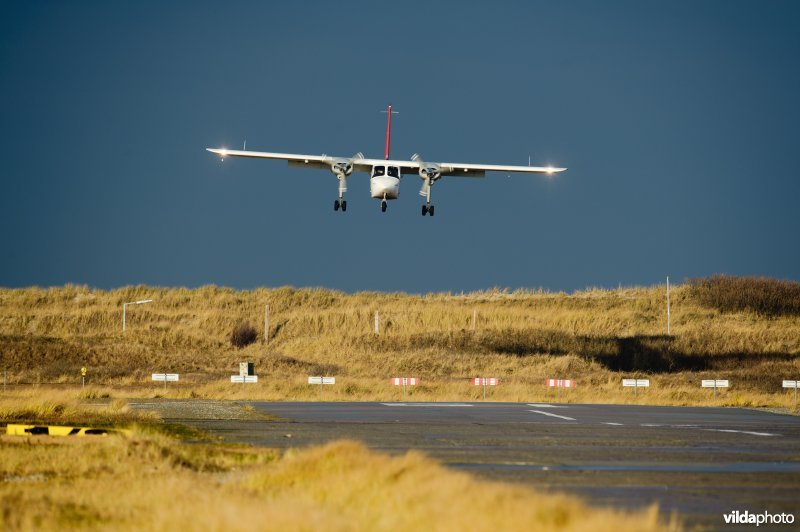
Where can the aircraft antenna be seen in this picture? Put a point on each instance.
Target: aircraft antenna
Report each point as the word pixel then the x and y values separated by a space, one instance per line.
pixel 244 148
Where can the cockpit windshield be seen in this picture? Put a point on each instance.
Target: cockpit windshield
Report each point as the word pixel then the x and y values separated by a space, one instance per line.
pixel 392 171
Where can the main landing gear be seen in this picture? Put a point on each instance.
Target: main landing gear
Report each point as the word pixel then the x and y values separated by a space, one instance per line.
pixel 340 204
pixel 427 209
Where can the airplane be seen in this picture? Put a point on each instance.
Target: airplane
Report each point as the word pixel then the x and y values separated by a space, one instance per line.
pixel 386 174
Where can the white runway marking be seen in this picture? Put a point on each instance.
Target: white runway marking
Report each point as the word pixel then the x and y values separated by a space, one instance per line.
pixel 613 424
pixel 425 404
pixel 741 432
pixel 552 415
pixel 697 427
pixel 545 405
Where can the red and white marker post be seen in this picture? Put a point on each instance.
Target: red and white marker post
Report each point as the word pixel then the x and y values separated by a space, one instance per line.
pixel 485 381
pixel 405 381
pixel 560 383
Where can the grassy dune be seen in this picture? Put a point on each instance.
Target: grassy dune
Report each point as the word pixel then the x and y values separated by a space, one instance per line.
pixel 595 337
pixel 150 482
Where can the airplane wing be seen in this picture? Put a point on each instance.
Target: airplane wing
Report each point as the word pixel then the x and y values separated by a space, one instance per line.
pixel 361 164
pixel 294 159
pixel 479 170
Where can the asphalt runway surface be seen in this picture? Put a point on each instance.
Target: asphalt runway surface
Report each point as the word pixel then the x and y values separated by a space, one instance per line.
pixel 698 462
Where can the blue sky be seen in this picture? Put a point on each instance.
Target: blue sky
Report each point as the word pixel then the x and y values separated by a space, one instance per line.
pixel 679 123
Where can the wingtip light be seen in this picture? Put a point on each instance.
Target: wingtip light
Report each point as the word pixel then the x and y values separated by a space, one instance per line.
pixel 222 152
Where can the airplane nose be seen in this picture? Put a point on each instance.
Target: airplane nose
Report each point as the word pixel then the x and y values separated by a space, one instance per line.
pixel 384 187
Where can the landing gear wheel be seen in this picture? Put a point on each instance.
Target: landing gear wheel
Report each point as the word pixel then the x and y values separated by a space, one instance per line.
pixel 430 210
pixel 383 206
pixel 336 205
pixel 344 205
pixel 424 210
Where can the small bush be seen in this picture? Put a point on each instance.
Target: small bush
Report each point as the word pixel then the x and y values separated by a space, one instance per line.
pixel 763 295
pixel 243 334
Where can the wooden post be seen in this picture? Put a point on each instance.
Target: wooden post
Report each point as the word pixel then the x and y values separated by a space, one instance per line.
pixel 266 325
pixel 668 315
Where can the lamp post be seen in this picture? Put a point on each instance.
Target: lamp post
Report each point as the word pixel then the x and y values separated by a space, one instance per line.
pixel 125 309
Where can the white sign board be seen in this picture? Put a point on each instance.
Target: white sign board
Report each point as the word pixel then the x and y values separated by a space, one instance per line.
pixel 405 381
pixel 636 383
pixel 711 383
pixel 322 380
pixel 165 377
pixel 244 378
pixel 791 384
pixel 484 381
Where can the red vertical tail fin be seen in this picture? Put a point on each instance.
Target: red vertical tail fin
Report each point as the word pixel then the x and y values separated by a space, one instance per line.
pixel 389 114
pixel 388 130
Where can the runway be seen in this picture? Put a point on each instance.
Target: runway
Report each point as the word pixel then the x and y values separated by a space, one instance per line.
pixel 700 462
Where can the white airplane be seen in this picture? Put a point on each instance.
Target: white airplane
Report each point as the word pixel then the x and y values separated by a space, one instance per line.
pixel 386 173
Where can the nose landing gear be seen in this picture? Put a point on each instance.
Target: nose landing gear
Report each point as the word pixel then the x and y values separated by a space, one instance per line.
pixel 340 204
pixel 427 209
pixel 384 205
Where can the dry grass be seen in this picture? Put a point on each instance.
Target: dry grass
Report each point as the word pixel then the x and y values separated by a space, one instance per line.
pixel 150 482
pixel 596 337
pixel 67 407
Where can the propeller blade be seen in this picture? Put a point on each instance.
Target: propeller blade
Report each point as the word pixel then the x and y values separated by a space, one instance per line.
pixel 425 189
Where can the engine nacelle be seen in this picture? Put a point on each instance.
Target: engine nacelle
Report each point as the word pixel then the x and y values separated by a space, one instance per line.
pixel 342 168
pixel 430 172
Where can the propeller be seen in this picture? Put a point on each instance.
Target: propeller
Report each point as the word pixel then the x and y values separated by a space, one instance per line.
pixel 342 168
pixel 425 190
pixel 429 172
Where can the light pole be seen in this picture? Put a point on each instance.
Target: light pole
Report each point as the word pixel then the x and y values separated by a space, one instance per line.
pixel 125 309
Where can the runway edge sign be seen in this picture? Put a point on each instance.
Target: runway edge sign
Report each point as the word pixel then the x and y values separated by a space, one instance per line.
pixel 558 384
pixel 485 381
pixel 714 383
pixel 244 378
pixel 165 378
pixel 561 383
pixel 404 381
pixel 636 384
